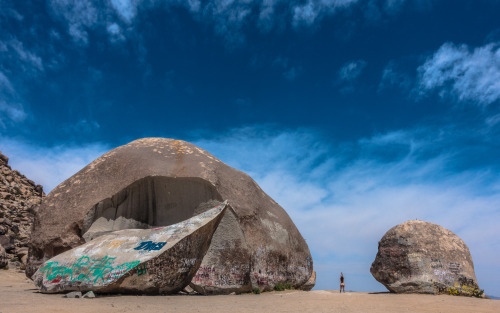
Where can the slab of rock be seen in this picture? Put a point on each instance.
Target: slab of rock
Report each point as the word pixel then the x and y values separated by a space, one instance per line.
pixel 153 261
pixel 89 295
pixel 73 294
pixel 155 182
pixel 422 257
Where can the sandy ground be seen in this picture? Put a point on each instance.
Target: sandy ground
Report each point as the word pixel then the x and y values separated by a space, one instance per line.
pixel 18 294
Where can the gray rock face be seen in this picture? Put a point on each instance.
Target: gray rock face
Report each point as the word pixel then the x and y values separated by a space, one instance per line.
pixel 152 261
pixel 422 257
pixel 156 182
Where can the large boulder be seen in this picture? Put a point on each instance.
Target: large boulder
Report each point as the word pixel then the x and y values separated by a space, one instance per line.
pixel 159 260
pixel 155 182
pixel 422 257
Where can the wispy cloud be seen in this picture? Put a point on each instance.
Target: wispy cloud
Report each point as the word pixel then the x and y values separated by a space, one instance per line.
pixel 127 9
pixel 290 72
pixel 11 108
pixel 469 74
pixel 80 15
pixel 342 196
pixel 392 77
pixel 229 18
pixel 49 166
pixel 348 74
pixel 351 70
pixel 115 32
pixel 312 11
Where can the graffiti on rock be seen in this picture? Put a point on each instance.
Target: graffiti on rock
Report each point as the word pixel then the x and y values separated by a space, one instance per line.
pixel 149 245
pixel 86 270
pixel 454 267
pixel 141 269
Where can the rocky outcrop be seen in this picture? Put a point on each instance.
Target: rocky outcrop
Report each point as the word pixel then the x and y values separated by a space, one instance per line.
pixel 151 261
pixel 3 258
pixel 19 199
pixel 422 257
pixel 156 182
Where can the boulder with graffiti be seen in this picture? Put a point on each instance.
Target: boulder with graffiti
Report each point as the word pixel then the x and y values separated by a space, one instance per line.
pixel 149 261
pixel 154 182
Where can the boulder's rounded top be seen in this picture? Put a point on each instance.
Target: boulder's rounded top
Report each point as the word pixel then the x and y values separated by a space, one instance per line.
pixel 423 257
pixel 417 225
pixel 421 232
pixel 149 141
pixel 151 146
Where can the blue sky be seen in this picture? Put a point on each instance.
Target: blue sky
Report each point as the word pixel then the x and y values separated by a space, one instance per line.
pixel 354 115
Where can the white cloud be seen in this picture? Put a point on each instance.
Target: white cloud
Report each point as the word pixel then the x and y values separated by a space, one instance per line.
pixel 85 126
pixel 290 72
pixel 80 15
pixel 18 56
pixel 314 10
pixel 351 70
pixel 11 109
pixel 466 73
pixel 229 18
pixel 49 166
pixel 127 9
pixel 25 55
pixel 343 198
pixel 392 77
pixel 115 32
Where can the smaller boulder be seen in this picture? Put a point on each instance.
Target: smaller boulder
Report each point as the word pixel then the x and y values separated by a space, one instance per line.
pixel 422 257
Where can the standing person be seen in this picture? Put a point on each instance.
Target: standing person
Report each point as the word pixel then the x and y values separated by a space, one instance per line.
pixel 342 285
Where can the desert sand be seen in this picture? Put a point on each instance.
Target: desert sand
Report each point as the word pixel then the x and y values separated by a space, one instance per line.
pixel 18 294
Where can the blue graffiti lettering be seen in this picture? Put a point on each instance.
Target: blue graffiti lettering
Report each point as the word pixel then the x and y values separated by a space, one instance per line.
pixel 149 245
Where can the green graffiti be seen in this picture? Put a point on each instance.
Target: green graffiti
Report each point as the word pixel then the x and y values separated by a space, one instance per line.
pixel 141 270
pixel 86 270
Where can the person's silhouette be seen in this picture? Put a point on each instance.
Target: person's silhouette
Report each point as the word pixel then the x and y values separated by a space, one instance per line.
pixel 342 285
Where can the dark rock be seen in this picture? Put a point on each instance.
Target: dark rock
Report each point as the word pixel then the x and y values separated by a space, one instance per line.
pixel 422 257
pixel 7 196
pixel 14 229
pixel 39 189
pixel 7 242
pixel 3 159
pixel 150 261
pixel 155 182
pixel 3 257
